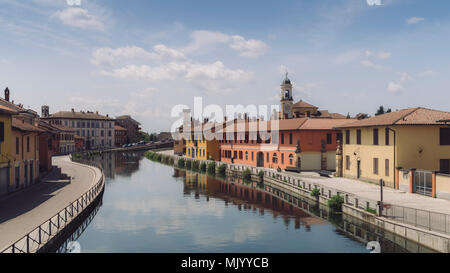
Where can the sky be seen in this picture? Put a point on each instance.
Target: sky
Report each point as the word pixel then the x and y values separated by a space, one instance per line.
pixel 143 57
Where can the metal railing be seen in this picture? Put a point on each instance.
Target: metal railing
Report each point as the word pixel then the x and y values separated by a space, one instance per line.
pixel 433 221
pixel 38 237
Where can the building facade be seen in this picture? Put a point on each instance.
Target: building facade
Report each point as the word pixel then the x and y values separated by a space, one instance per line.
pixel 6 158
pixel 132 126
pixel 25 137
pixel 97 130
pixel 120 136
pixel 303 143
pixel 201 142
pixel 414 139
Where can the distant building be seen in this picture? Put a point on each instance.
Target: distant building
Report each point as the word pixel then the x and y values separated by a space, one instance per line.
pixel 6 159
pixel 97 130
pixel 179 143
pixel 120 135
pixel 165 136
pixel 132 126
pixel 79 144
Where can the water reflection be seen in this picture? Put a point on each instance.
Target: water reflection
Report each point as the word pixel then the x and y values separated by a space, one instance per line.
pixel 150 207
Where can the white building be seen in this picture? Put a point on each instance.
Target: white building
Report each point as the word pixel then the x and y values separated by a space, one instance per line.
pixel 97 130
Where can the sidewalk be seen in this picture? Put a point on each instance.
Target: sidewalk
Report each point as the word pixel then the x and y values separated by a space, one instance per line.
pixel 23 211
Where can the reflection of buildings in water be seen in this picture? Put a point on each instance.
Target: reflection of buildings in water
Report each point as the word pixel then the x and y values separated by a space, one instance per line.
pixel 127 163
pixel 246 198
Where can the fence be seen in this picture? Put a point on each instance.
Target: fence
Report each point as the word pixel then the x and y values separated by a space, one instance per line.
pixel 41 235
pixel 433 221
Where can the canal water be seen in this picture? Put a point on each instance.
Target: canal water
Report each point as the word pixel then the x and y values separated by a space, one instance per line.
pixel 152 207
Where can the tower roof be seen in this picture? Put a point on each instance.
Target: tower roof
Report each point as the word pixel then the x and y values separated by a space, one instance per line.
pixel 286 80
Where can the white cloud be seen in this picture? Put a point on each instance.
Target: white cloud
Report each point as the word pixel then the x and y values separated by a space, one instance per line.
pixel 108 56
pixel 80 18
pixel 397 86
pixel 427 73
pixel 248 48
pixel 204 41
pixel 414 20
pixel 370 64
pixel 373 2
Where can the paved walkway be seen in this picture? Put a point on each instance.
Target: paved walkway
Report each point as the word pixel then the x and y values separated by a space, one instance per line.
pixel 370 191
pixel 21 212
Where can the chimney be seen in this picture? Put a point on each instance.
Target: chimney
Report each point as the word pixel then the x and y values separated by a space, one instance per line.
pixel 7 94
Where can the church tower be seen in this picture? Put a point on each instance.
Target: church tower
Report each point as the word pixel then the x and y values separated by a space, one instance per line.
pixel 286 99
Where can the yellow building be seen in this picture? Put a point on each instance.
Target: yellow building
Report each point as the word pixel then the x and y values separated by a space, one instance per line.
pixel 411 140
pixel 201 142
pixel 6 159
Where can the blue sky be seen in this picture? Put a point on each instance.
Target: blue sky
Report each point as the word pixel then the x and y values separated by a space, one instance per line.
pixel 143 57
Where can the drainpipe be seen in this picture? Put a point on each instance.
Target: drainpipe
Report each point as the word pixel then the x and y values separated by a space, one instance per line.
pixel 395 143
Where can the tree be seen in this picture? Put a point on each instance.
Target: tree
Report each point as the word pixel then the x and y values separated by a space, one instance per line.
pixel 380 111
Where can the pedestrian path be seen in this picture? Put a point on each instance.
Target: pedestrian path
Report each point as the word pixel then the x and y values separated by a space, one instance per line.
pixel 23 211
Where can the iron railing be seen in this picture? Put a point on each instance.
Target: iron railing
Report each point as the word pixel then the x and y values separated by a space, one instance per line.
pixel 40 236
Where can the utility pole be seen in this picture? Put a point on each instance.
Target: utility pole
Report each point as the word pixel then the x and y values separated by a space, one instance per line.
pixel 380 203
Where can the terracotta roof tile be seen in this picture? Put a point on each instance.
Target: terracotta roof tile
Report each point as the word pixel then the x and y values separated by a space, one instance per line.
pixel 119 128
pixel 323 123
pixel 304 104
pixel 17 123
pixel 79 115
pixel 410 116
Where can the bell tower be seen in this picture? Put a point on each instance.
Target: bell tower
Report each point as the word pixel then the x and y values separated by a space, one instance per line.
pixel 286 99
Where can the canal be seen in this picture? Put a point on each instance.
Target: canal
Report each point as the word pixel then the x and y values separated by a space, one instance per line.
pixel 152 207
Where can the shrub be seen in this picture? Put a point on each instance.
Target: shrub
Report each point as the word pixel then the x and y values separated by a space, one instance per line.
pixel 195 165
pixel 203 167
pixel 279 169
pixel 181 163
pixel 373 211
pixel 158 157
pixel 212 168
pixel 188 164
pixel 222 170
pixel 247 175
pixel 171 161
pixel 260 174
pixel 315 192
pixel 336 202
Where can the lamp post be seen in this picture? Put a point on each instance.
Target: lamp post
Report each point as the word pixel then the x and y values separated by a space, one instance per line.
pixel 380 203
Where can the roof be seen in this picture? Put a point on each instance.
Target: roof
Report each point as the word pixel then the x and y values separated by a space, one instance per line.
pixel 303 104
pixel 324 123
pixel 19 124
pixel 119 128
pixel 286 124
pixel 410 116
pixel 53 127
pixel 78 115
pixel 128 117
pixel 7 110
pixel 17 107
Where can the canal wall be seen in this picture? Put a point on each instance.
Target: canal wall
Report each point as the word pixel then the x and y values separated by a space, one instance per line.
pixel 49 233
pixel 353 205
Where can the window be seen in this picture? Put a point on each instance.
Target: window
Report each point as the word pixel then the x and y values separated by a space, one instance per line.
pixel 246 155
pixel 109 133
pixel 291 159
pixel 339 137
pixel 102 133
pixel 240 154
pixel 386 167
pixel 235 154
pixel 253 156
pixel 267 157
pixel 2 132
pixel 347 162
pixel 282 158
pixel 375 136
pixel 445 136
pixel 329 141
pixel 445 166
pixel 274 158
pixel 375 166
pixel 386 133
pixel 358 137
pixel 282 138
pixel 28 144
pixel 290 138
pixel 347 137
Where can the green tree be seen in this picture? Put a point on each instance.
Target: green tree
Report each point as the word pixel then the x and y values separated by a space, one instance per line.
pixel 380 111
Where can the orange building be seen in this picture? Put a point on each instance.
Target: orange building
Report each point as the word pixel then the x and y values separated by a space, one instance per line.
pixel 305 143
pixel 120 136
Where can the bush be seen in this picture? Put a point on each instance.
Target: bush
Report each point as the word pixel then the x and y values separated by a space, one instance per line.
pixel 336 202
pixel 203 167
pixel 158 157
pixel 195 165
pixel 247 175
pixel 188 164
pixel 181 163
pixel 279 169
pixel 261 174
pixel 212 168
pixel 373 211
pixel 315 192
pixel 222 170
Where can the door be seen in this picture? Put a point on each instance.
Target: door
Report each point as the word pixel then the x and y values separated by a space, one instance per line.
pixel 17 176
pixel 423 183
pixel 260 160
pixel 4 181
pixel 358 170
